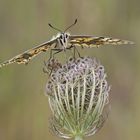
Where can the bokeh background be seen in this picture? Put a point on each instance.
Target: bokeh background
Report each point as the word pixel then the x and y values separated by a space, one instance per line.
pixel 24 109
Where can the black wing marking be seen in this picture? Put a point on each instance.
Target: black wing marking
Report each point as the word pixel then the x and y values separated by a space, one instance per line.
pixel 26 56
pixel 90 41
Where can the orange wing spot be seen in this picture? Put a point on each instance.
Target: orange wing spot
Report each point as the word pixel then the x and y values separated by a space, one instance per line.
pixel 87 39
pixel 75 40
pixel 85 45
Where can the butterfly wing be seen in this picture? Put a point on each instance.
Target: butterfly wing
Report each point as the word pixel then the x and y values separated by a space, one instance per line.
pixel 90 41
pixel 26 56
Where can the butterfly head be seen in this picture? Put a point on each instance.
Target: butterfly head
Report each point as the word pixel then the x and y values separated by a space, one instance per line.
pixel 63 39
pixel 63 36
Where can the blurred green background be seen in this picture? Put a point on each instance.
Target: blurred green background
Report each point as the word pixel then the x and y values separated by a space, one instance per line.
pixel 24 109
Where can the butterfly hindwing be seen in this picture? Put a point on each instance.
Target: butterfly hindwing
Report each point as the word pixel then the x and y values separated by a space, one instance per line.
pixel 90 41
pixel 26 56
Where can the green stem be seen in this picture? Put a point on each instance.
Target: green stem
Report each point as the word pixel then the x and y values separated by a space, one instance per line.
pixel 78 137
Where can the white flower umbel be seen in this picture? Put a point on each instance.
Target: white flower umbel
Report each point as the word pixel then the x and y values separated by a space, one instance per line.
pixel 78 92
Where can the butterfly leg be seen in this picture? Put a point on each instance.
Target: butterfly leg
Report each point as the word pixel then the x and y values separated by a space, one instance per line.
pixel 76 50
pixel 52 54
pixel 45 68
pixel 51 57
pixel 56 51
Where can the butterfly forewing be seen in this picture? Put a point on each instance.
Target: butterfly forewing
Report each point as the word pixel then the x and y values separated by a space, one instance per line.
pixel 64 43
pixel 90 41
pixel 26 56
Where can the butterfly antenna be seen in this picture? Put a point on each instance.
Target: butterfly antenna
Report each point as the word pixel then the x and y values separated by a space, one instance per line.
pixel 71 25
pixel 54 28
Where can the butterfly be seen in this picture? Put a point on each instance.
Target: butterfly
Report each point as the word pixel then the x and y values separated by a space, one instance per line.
pixel 62 42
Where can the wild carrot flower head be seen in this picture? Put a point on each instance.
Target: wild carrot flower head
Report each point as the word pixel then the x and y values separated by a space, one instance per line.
pixel 78 92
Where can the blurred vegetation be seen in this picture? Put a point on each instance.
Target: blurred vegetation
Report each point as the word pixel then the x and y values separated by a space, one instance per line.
pixel 24 111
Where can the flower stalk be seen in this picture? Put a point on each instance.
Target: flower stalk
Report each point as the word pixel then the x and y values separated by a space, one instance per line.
pixel 78 138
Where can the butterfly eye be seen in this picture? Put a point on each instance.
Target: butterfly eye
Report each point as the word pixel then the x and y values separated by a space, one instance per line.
pixel 66 36
pixel 61 37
